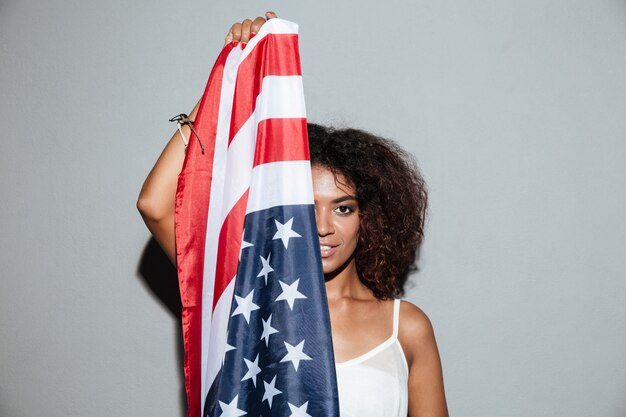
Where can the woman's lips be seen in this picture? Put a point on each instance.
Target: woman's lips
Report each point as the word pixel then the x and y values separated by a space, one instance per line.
pixel 327 250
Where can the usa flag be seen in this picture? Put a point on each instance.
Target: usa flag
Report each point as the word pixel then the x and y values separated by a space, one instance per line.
pixel 255 317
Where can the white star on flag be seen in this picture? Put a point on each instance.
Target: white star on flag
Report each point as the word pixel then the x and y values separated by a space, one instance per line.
pixel 231 410
pixel 245 306
pixel 253 369
pixel 290 293
pixel 295 354
pixel 270 391
pixel 227 349
pixel 284 232
pixel 299 411
pixel 267 330
pixel 266 267
pixel 244 244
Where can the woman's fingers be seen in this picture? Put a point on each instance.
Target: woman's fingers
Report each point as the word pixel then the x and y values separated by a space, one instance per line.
pixel 242 32
pixel 256 25
pixel 234 34
pixel 245 30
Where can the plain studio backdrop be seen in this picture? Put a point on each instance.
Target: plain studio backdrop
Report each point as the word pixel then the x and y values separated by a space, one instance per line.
pixel 515 111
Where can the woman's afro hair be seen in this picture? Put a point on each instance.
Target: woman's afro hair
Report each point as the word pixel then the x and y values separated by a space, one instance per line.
pixel 392 199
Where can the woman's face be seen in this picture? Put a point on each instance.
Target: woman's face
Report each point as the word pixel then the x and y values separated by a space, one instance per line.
pixel 337 217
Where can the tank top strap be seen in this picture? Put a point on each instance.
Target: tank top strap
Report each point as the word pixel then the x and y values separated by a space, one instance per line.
pixel 396 317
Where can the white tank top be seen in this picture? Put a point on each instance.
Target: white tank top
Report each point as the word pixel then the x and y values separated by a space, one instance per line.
pixel 375 384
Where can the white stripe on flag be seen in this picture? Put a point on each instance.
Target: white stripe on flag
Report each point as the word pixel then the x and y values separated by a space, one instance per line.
pixel 214 223
pixel 286 179
pixel 278 98
pixel 218 332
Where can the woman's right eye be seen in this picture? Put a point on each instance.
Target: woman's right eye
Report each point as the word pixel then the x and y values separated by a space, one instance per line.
pixel 344 210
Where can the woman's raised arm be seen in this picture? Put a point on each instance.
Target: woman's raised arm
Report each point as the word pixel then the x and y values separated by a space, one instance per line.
pixel 157 197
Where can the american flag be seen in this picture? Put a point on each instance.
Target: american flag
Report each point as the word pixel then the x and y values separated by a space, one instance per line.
pixel 255 317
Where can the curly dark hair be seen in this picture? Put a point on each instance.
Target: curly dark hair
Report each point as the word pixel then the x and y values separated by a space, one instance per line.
pixel 392 199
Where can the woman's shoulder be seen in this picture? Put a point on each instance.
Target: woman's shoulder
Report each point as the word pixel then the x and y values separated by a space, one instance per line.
pixel 415 330
pixel 413 320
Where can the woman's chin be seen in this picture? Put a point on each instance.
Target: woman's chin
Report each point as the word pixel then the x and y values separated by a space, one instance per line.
pixel 331 269
pixel 328 271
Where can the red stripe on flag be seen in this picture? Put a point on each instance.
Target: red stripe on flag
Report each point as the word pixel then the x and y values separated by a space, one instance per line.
pixel 273 135
pixel 192 201
pixel 228 247
pixel 254 68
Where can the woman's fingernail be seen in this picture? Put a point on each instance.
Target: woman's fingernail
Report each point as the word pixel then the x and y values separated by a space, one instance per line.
pixel 243 45
pixel 252 35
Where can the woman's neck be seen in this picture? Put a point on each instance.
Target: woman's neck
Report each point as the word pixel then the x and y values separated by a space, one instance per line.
pixel 345 283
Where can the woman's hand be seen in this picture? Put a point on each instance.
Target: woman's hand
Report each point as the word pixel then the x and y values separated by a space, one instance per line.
pixel 244 31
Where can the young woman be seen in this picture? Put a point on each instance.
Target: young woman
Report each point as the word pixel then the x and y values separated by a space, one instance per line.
pixel 370 202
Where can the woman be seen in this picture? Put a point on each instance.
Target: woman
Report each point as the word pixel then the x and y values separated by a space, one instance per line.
pixel 370 203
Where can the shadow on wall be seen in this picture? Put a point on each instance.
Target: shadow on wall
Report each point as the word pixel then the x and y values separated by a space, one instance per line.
pixel 160 276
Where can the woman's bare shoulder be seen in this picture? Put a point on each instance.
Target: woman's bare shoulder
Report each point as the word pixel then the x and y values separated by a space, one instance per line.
pixel 415 330
pixel 413 320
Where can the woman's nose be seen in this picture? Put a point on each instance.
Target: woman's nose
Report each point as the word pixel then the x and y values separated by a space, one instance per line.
pixel 324 223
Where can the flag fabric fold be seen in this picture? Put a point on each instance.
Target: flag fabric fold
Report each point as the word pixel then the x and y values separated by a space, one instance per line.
pixel 255 317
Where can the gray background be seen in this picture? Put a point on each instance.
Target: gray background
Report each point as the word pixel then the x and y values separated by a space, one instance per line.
pixel 515 111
